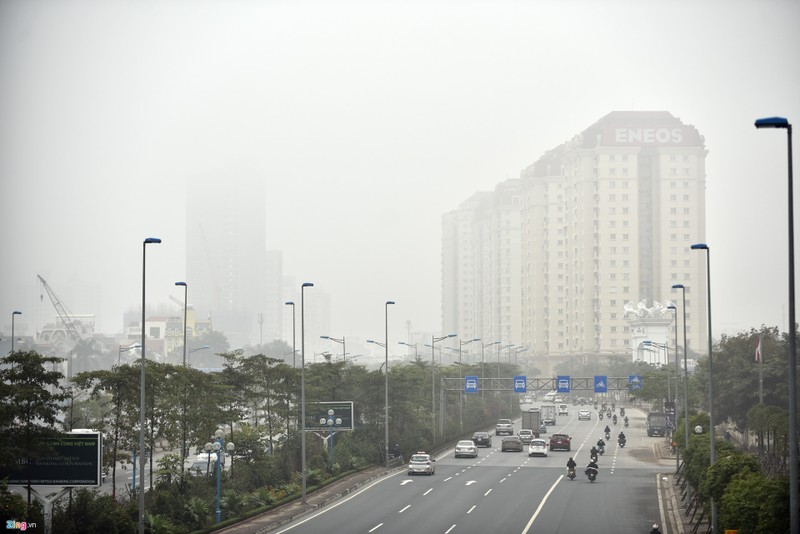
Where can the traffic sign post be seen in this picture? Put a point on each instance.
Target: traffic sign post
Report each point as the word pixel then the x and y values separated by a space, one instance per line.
pixel 562 384
pixel 634 382
pixel 600 384
pixel 520 384
pixel 471 384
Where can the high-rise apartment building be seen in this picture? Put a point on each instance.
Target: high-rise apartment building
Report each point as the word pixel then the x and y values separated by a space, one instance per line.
pixel 595 231
pixel 226 263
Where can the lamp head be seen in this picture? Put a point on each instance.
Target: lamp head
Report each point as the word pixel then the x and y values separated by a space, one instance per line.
pixel 290 303
pixel 151 240
pixel 370 341
pixel 324 337
pixel 671 307
pixel 389 302
pixel 307 284
pixel 699 246
pixel 678 286
pixel 16 313
pixel 772 122
pixel 183 284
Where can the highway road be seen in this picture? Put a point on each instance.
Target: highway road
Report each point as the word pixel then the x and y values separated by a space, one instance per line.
pixel 509 492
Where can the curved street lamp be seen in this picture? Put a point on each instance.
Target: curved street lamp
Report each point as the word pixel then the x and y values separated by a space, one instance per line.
pixel 13 316
pixel 386 406
pixel 303 383
pixel 677 374
pixel 142 455
pixel 713 445
pixel 340 342
pixel 794 515
pixel 434 341
pixel 216 447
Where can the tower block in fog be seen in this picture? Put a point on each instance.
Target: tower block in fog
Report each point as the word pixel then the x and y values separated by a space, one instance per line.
pixel 597 225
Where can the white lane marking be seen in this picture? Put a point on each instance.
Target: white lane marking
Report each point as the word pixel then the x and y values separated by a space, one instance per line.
pixel 427 492
pixel 339 503
pixel 474 506
pixel 406 481
pixel 448 478
pixel 503 480
pixel 449 529
pixel 376 527
pixel 404 509
pixel 488 492
pixel 541 504
pixel 470 482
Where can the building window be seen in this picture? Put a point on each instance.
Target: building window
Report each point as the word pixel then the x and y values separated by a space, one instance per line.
pixel 624 198
pixel 672 185
pixel 686 211
pixel 673 198
pixel 673 237
pixel 612 171
pixel 686 198
pixel 673 276
pixel 673 211
pixel 673 224
pixel 624 237
pixel 625 263
pixel 613 302
pixel 686 184
pixel 626 289
pixel 626 250
pixel 612 198
pixel 625 171
pixel 672 171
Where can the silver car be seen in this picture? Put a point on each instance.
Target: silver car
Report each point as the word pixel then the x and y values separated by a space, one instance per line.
pixel 466 448
pixel 421 463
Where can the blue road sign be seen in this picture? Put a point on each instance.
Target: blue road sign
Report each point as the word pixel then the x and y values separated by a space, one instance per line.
pixel 520 384
pixel 634 382
pixel 562 384
pixel 471 384
pixel 600 384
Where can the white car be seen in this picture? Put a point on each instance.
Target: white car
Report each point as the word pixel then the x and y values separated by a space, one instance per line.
pixel 537 447
pixel 466 447
pixel 584 414
pixel 421 463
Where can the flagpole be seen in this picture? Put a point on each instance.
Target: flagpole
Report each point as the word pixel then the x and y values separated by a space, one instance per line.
pixel 760 360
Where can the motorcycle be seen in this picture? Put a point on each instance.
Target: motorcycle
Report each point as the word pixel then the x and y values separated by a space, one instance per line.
pixel 621 443
pixel 601 450
pixel 622 412
pixel 593 458
pixel 571 473
pixel 608 415
pixel 614 419
pixel 608 436
pixel 626 422
pixel 600 416
pixel 591 473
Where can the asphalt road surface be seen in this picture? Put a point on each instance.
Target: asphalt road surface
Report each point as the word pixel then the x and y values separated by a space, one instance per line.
pixel 509 492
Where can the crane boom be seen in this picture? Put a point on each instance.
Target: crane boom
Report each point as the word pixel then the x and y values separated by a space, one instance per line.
pixel 62 312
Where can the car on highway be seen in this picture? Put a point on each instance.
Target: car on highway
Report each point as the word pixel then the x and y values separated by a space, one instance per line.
pixel 504 426
pixel 421 463
pixel 482 439
pixel 512 443
pixel 526 435
pixel 537 447
pixel 560 442
pixel 584 415
pixel 466 447
pixel 542 428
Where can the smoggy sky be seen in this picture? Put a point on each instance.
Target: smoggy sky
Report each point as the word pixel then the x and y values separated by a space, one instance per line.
pixel 368 121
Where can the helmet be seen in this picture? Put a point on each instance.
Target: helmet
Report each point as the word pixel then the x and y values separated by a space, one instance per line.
pixel 655 525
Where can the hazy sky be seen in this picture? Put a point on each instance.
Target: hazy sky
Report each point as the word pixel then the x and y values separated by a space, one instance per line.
pixel 368 120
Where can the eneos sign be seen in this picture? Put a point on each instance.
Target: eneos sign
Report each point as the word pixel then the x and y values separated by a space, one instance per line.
pixel 648 136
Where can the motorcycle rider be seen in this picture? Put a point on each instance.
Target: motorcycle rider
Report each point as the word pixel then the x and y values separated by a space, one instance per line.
pixel 614 419
pixel 601 445
pixel 591 468
pixel 626 420
pixel 593 453
pixel 621 438
pixel 571 466
pixel 655 529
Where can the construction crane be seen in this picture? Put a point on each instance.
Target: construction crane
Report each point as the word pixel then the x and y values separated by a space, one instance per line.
pixel 62 311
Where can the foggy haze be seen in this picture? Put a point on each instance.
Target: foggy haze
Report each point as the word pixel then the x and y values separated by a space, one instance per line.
pixel 367 121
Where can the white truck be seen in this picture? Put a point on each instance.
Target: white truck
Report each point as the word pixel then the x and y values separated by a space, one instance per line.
pixel 549 414
pixel 532 419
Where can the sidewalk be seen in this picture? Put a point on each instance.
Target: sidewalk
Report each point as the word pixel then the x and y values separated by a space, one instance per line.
pixel 273 519
pixel 674 518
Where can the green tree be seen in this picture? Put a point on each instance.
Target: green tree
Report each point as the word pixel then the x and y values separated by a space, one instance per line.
pixel 31 397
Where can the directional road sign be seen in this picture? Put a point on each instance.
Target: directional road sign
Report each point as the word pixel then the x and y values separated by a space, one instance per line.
pixel 600 384
pixel 634 382
pixel 471 384
pixel 520 384
pixel 562 384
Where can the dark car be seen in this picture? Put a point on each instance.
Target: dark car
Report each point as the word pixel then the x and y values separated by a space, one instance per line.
pixel 482 439
pixel 560 442
pixel 512 443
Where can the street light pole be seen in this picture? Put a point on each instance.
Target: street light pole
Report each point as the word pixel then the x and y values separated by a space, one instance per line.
pixel 713 445
pixel 434 341
pixel 294 350
pixel 142 455
pixel 685 369
pixel 677 374
pixel 340 342
pixel 794 518
pixel 185 300
pixel 13 316
pixel 303 383
pixel 386 405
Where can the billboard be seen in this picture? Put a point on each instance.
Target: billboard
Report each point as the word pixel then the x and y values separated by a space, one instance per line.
pixel 76 460
pixel 318 410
